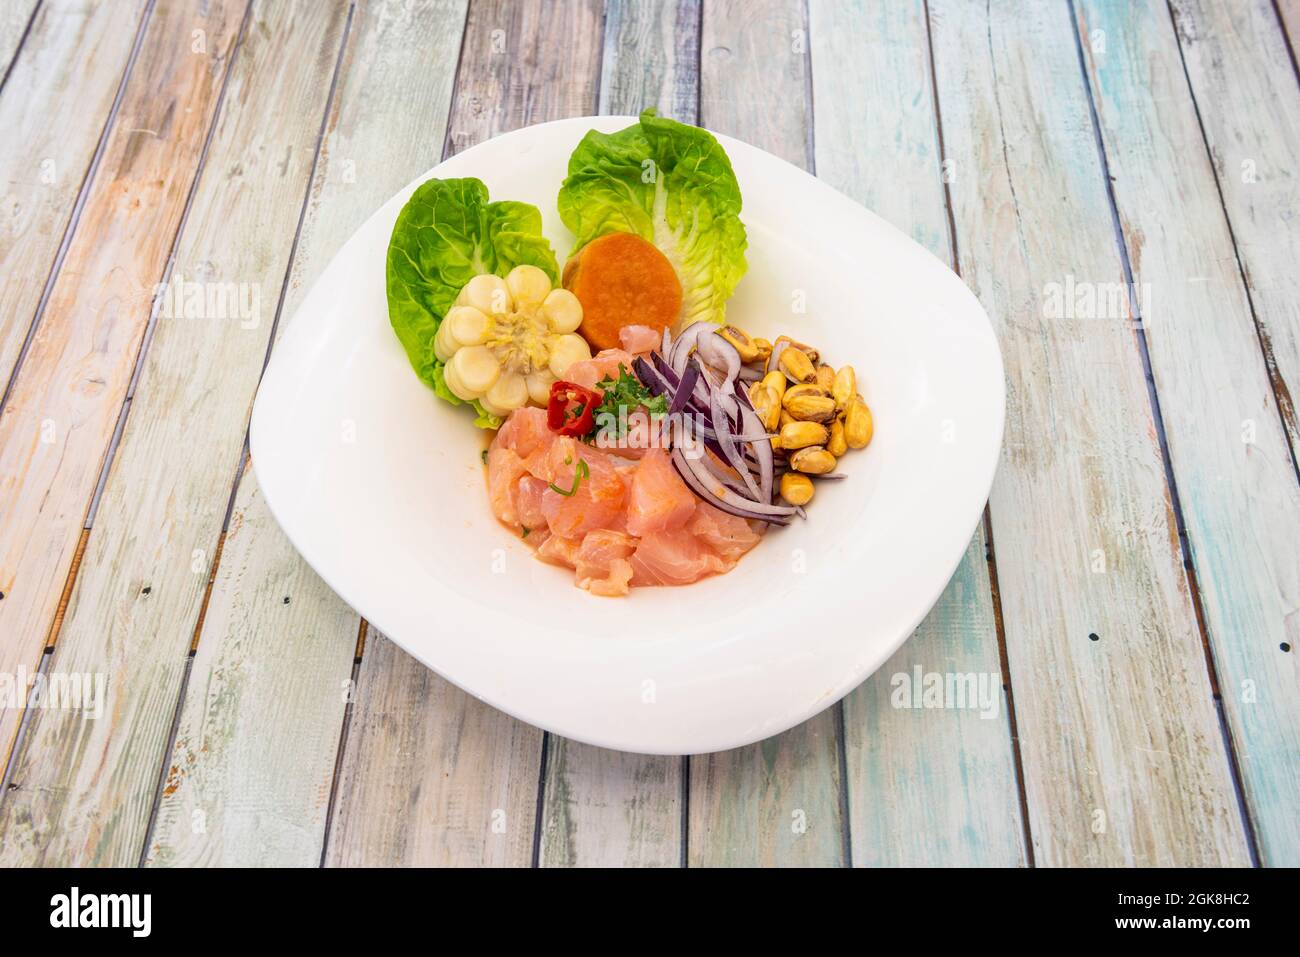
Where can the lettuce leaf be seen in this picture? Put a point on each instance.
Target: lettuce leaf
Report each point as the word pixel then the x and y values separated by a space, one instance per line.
pixel 445 235
pixel 670 184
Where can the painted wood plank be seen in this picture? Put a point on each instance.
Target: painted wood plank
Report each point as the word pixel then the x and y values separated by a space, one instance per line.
pixel 1289 13
pixel 1241 503
pixel 605 808
pixel 258 735
pixel 651 58
pixel 1244 84
pixel 86 788
pixel 1123 758
pixel 609 808
pixel 925 787
pixel 776 802
pixel 53 118
pixel 509 59
pixel 431 777
pixel 67 396
pixel 14 18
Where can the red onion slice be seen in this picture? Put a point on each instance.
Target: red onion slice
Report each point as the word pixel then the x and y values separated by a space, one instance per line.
pixel 730 449
pixel 696 474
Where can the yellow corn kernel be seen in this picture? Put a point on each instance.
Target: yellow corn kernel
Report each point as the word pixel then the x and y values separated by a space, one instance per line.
pixel 811 408
pixel 796 364
pixel 796 489
pixel 844 387
pixel 766 405
pixel 825 377
pixel 858 426
pixel 740 339
pixel 776 381
pixel 814 460
pixel 800 435
pixel 836 445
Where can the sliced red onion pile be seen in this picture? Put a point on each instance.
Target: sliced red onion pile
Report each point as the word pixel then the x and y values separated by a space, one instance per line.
pixel 702 375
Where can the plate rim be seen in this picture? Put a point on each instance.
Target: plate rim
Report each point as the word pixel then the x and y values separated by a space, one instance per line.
pixel 842 687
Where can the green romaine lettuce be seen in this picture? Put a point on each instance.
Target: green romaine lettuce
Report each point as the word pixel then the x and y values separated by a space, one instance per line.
pixel 445 235
pixel 670 184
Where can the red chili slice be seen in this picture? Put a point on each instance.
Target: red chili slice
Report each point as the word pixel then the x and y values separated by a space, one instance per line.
pixel 572 408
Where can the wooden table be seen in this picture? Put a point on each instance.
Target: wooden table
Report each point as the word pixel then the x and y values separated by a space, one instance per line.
pixel 1135 588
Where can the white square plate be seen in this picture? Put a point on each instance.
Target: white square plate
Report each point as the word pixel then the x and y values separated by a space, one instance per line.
pixel 380 484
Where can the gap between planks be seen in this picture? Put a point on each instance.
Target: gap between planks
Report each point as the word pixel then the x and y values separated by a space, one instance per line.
pixel 70 582
pixel 990 551
pixel 82 194
pixel 1281 396
pixel 1291 41
pixel 22 42
pixel 1171 482
pixel 837 709
pixel 244 452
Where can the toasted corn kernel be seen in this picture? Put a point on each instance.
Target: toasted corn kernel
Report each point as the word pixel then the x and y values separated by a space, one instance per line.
pixel 776 381
pixel 740 339
pixel 764 349
pixel 796 489
pixel 844 387
pixel 814 460
pixel 795 363
pixel 858 426
pixel 825 377
pixel 766 404
pixel 785 419
pixel 800 435
pixel 837 445
pixel 803 388
pixel 811 408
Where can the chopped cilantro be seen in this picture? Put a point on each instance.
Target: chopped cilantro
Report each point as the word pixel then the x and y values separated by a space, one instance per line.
pixel 627 393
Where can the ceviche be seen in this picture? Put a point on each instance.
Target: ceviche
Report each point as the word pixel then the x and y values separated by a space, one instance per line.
pixel 640 437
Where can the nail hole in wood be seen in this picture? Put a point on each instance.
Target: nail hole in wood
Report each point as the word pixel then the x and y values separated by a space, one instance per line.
pixel 1284 646
pixel 1094 637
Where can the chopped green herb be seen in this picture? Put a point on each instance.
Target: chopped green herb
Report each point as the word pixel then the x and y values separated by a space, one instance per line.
pixel 580 473
pixel 484 456
pixel 627 393
pixel 526 531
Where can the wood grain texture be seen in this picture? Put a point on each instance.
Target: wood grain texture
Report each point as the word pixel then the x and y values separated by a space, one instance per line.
pixel 925 787
pixel 431 776
pixel 1240 500
pixel 508 60
pixel 14 17
pixel 605 808
pixel 258 736
pixel 1123 757
pixel 523 63
pixel 53 118
pixel 609 808
pixel 1245 88
pixel 68 394
pixel 651 58
pixel 87 787
pixel 776 802
pixel 1289 16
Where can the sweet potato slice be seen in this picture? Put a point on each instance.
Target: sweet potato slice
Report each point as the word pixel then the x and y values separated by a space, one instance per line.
pixel 622 280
